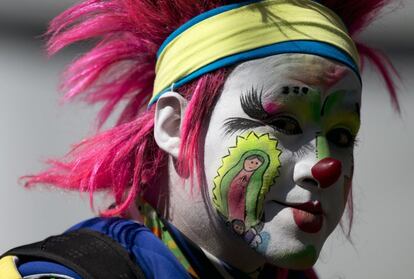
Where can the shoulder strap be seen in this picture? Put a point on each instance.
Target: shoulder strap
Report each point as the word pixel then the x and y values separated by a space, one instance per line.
pixel 91 254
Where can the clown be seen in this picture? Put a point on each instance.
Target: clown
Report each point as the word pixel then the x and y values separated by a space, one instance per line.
pixel 233 157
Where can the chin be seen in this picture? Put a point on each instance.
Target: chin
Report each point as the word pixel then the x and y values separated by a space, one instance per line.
pixel 285 245
pixel 299 258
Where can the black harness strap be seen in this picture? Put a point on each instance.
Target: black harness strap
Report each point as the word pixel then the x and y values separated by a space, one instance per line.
pixel 91 254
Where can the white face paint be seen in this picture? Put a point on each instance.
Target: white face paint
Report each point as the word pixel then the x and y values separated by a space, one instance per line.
pixel 283 125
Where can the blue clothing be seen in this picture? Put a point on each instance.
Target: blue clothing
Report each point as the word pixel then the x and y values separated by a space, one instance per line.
pixel 46 267
pixel 148 252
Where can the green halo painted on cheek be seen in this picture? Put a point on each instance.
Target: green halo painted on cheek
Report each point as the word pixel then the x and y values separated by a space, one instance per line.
pixel 239 189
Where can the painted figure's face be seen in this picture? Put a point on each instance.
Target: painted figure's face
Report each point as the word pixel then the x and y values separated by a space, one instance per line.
pixel 290 121
pixel 252 164
pixel 238 226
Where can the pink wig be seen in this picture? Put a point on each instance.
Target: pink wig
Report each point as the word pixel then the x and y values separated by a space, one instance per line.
pixel 125 160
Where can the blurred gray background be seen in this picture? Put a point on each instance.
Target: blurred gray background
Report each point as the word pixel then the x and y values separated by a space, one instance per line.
pixel 34 127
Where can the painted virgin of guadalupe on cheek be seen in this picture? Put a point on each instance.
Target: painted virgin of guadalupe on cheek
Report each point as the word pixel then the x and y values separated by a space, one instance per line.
pixel 236 197
pixel 233 157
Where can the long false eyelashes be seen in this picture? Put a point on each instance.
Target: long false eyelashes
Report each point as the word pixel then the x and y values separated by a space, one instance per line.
pixel 238 124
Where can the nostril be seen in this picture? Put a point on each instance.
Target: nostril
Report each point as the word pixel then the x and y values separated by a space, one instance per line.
pixel 327 171
pixel 310 182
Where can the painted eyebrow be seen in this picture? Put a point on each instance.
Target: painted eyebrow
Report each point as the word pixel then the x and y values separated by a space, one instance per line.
pixel 326 108
pixel 251 103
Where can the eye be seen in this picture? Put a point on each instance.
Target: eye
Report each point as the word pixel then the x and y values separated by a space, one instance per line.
pixel 341 137
pixel 286 125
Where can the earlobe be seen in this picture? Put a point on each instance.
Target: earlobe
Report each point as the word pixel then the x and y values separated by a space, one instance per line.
pixel 169 112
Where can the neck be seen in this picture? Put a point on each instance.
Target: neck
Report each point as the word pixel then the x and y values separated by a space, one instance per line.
pixel 189 213
pixel 226 272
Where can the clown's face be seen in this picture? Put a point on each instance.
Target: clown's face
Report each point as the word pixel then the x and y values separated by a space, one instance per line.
pixel 293 120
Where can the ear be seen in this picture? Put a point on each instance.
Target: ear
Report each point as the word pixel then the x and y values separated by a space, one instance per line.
pixel 169 112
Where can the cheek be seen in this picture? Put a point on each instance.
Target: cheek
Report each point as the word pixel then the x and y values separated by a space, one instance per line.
pixel 348 183
pixel 238 194
pixel 337 197
pixel 347 174
pixel 347 188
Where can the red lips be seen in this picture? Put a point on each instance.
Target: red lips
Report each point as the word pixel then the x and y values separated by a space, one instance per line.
pixel 310 206
pixel 308 216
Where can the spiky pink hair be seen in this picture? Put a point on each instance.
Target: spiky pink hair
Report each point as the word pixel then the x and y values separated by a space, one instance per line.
pixel 125 160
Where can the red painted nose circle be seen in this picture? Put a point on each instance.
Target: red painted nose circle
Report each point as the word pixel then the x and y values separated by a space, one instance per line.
pixel 327 171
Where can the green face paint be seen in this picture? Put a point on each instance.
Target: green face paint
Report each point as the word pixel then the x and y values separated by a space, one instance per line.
pixel 334 111
pixel 322 147
pixel 333 100
pixel 305 107
pixel 348 119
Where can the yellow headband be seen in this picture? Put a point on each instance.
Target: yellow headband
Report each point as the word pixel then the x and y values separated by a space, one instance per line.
pixel 250 30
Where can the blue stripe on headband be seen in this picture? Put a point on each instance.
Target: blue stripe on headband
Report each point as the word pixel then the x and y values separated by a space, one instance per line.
pixel 306 47
pixel 204 16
